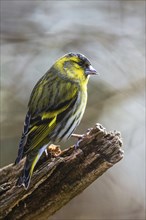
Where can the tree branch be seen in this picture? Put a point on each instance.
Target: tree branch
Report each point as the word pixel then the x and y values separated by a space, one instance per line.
pixel 55 183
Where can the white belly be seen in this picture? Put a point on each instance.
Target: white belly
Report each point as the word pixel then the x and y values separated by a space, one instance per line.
pixel 75 117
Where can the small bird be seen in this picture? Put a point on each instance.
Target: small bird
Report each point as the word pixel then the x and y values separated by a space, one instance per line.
pixel 56 107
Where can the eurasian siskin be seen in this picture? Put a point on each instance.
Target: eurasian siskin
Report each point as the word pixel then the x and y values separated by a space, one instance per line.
pixel 55 109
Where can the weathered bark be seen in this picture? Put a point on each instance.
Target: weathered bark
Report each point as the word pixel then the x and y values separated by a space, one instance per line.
pixel 56 182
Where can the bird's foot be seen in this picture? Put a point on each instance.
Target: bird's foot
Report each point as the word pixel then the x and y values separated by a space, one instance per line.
pixel 79 137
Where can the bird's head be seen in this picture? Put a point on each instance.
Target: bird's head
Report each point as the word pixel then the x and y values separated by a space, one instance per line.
pixel 75 66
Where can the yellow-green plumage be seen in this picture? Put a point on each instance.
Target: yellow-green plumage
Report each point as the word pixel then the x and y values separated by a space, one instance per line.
pixel 55 109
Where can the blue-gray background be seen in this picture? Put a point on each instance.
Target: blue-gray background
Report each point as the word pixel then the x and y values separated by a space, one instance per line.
pixel 111 34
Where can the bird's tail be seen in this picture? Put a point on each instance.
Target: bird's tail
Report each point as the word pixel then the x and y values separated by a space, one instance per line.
pixel 21 149
pixel 24 178
pixel 23 139
pixel 31 161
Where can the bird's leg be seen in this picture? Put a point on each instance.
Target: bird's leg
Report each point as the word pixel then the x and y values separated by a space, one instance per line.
pixel 79 137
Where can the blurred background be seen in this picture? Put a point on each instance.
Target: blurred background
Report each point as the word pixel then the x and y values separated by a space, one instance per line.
pixel 111 34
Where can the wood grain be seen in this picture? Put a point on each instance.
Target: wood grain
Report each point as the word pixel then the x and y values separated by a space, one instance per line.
pixel 55 182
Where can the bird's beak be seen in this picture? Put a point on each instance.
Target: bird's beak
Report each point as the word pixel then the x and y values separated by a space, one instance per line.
pixel 90 71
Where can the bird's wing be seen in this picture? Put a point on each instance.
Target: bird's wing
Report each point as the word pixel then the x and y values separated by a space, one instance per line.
pixel 47 105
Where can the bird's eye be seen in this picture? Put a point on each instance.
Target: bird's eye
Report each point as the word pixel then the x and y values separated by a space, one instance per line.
pixel 83 64
pixel 86 65
pixel 80 64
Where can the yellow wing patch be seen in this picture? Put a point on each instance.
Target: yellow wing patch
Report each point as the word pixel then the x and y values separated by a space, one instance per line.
pixel 53 121
pixel 40 133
